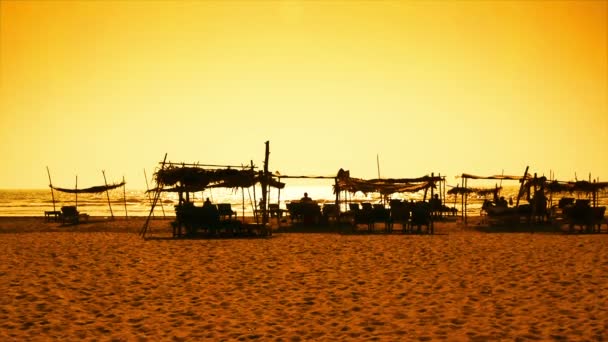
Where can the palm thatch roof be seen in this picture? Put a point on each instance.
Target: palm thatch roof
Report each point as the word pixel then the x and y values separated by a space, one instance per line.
pixel 91 190
pixel 497 177
pixel 192 179
pixel 480 191
pixel 385 186
pixel 578 186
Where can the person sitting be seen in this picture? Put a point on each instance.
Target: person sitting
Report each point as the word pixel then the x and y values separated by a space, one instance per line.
pixel 306 199
pixel 502 202
pixel 207 203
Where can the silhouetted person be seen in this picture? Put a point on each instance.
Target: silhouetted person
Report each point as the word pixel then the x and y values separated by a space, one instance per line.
pixel 502 202
pixel 511 201
pixel 306 199
pixel 207 203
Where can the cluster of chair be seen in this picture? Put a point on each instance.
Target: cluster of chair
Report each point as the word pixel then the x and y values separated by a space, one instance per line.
pixel 70 215
pixel 412 216
pixel 312 212
pixel 580 213
pixel 212 219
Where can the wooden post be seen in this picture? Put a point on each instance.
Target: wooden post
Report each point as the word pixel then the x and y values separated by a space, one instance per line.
pixel 337 194
pixel 265 184
pixel 107 192
pixel 521 187
pixel 243 204
pixel 279 204
pixel 51 186
pixel 124 195
pixel 144 229
pixel 432 190
pixel 76 192
pixel 148 189
pixel 456 200
pixel 466 199
pixel 462 200
pixel 162 206
pixel 255 200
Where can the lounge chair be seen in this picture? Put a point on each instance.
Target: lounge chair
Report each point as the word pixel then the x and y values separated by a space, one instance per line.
pixel 69 214
pixel 225 211
pixel 275 210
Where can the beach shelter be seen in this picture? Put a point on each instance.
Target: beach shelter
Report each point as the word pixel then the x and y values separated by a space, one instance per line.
pixel 388 186
pixel 186 178
pixel 464 190
pixel 90 190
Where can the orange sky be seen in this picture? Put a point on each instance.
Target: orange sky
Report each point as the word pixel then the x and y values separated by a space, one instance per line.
pixel 431 86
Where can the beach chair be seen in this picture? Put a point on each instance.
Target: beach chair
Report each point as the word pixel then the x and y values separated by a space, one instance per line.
pixel 381 215
pixel 399 213
pixel 69 214
pixel 225 211
pixel 274 210
pixel 421 216
pixel 331 212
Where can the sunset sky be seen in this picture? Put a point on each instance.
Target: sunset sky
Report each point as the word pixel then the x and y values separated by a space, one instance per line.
pixel 429 86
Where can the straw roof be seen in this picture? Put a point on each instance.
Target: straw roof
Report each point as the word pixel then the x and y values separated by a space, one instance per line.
pixel 91 190
pixel 192 179
pixel 385 186
pixel 497 177
pixel 580 186
pixel 480 191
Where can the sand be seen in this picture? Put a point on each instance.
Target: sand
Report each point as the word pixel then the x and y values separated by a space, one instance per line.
pixel 100 281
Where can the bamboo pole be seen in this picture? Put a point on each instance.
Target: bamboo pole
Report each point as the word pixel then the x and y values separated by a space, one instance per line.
pixel 521 187
pixel 243 204
pixel 255 200
pixel 107 193
pixel 51 186
pixel 76 192
pixel 279 204
pixel 466 200
pixel 265 184
pixel 162 206
pixel 144 229
pixel 462 200
pixel 148 189
pixel 124 196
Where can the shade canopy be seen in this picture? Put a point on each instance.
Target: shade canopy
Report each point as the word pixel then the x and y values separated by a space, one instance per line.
pixel 385 186
pixel 91 190
pixel 192 178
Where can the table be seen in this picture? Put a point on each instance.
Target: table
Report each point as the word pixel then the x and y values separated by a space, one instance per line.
pixel 52 215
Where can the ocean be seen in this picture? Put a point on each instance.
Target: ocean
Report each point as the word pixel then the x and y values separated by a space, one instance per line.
pixel 34 202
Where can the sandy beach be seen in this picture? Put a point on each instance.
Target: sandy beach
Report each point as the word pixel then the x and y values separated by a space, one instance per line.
pixel 101 281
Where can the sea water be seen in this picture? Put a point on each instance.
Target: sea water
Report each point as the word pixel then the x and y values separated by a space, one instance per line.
pixel 131 202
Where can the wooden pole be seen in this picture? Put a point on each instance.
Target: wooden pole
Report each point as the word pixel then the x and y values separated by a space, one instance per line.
pixel 124 195
pixel 243 204
pixel 279 204
pixel 462 200
pixel 521 187
pixel 51 186
pixel 144 229
pixel 107 192
pixel 255 200
pixel 265 184
pixel 76 192
pixel 337 194
pixel 162 206
pixel 466 200
pixel 148 189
